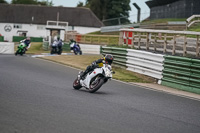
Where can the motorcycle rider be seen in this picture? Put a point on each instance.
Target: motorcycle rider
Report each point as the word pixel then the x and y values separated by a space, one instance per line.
pixel 54 46
pixel 107 59
pixel 27 42
pixel 59 43
pixel 72 43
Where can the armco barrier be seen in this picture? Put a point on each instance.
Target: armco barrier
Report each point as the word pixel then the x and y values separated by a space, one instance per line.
pixel 6 48
pixel 146 63
pixel 90 49
pixel 45 45
pixel 119 55
pixel 66 47
pixel 182 73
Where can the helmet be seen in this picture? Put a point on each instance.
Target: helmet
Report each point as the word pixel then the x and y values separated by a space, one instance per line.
pixel 108 59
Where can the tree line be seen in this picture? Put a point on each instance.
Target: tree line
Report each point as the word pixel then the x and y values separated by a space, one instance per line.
pixel 110 12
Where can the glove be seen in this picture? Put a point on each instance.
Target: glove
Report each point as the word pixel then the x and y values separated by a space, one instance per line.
pixel 94 63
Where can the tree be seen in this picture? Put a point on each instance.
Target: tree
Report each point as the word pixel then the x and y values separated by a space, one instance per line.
pixel 45 3
pixel 80 4
pixel 33 2
pixel 3 1
pixel 109 9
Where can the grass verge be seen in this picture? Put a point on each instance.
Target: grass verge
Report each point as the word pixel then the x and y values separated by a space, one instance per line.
pixel 36 48
pixel 81 62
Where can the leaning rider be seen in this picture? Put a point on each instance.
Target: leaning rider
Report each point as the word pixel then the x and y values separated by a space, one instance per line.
pixel 27 42
pixel 108 59
pixel 59 43
pixel 72 43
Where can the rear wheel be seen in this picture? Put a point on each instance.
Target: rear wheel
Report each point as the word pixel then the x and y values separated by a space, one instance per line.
pixel 96 83
pixel 76 84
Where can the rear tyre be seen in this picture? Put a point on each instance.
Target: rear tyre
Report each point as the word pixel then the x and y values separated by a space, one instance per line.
pixel 52 51
pixel 76 84
pixel 96 83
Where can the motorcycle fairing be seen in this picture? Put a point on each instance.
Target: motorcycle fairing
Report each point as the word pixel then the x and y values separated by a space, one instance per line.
pixel 86 81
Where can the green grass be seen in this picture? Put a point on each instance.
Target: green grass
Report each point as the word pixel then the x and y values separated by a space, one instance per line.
pixel 95 33
pixel 195 27
pixel 120 46
pixel 106 33
pixel 165 20
pixel 81 62
pixel 128 76
pixel 36 48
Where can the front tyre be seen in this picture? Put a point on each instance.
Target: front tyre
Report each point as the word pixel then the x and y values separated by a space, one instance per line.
pixel 76 84
pixel 16 52
pixel 96 84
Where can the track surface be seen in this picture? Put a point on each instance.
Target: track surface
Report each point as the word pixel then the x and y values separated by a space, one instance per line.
pixel 36 96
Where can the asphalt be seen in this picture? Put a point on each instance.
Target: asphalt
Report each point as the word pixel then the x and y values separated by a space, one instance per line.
pixel 37 96
pixel 152 86
pixel 165 89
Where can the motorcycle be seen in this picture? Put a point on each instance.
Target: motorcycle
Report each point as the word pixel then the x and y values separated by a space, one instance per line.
pixel 77 49
pixel 95 79
pixel 21 49
pixel 56 50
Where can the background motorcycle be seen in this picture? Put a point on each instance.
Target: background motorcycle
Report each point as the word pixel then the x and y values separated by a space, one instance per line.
pixel 95 79
pixel 56 50
pixel 21 49
pixel 77 49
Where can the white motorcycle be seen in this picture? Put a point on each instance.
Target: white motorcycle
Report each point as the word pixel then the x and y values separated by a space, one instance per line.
pixel 95 79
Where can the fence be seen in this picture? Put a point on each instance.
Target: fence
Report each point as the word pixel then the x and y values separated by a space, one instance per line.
pixel 93 39
pixel 192 20
pixel 90 49
pixel 165 41
pixel 170 25
pixel 118 53
pixel 182 73
pixel 146 63
pixel 173 71
pixel 137 61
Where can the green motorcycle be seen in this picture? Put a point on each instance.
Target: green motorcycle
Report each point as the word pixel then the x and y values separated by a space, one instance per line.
pixel 21 49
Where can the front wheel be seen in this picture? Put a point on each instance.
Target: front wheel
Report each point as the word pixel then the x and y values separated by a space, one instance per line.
pixel 16 52
pixel 76 84
pixel 96 84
